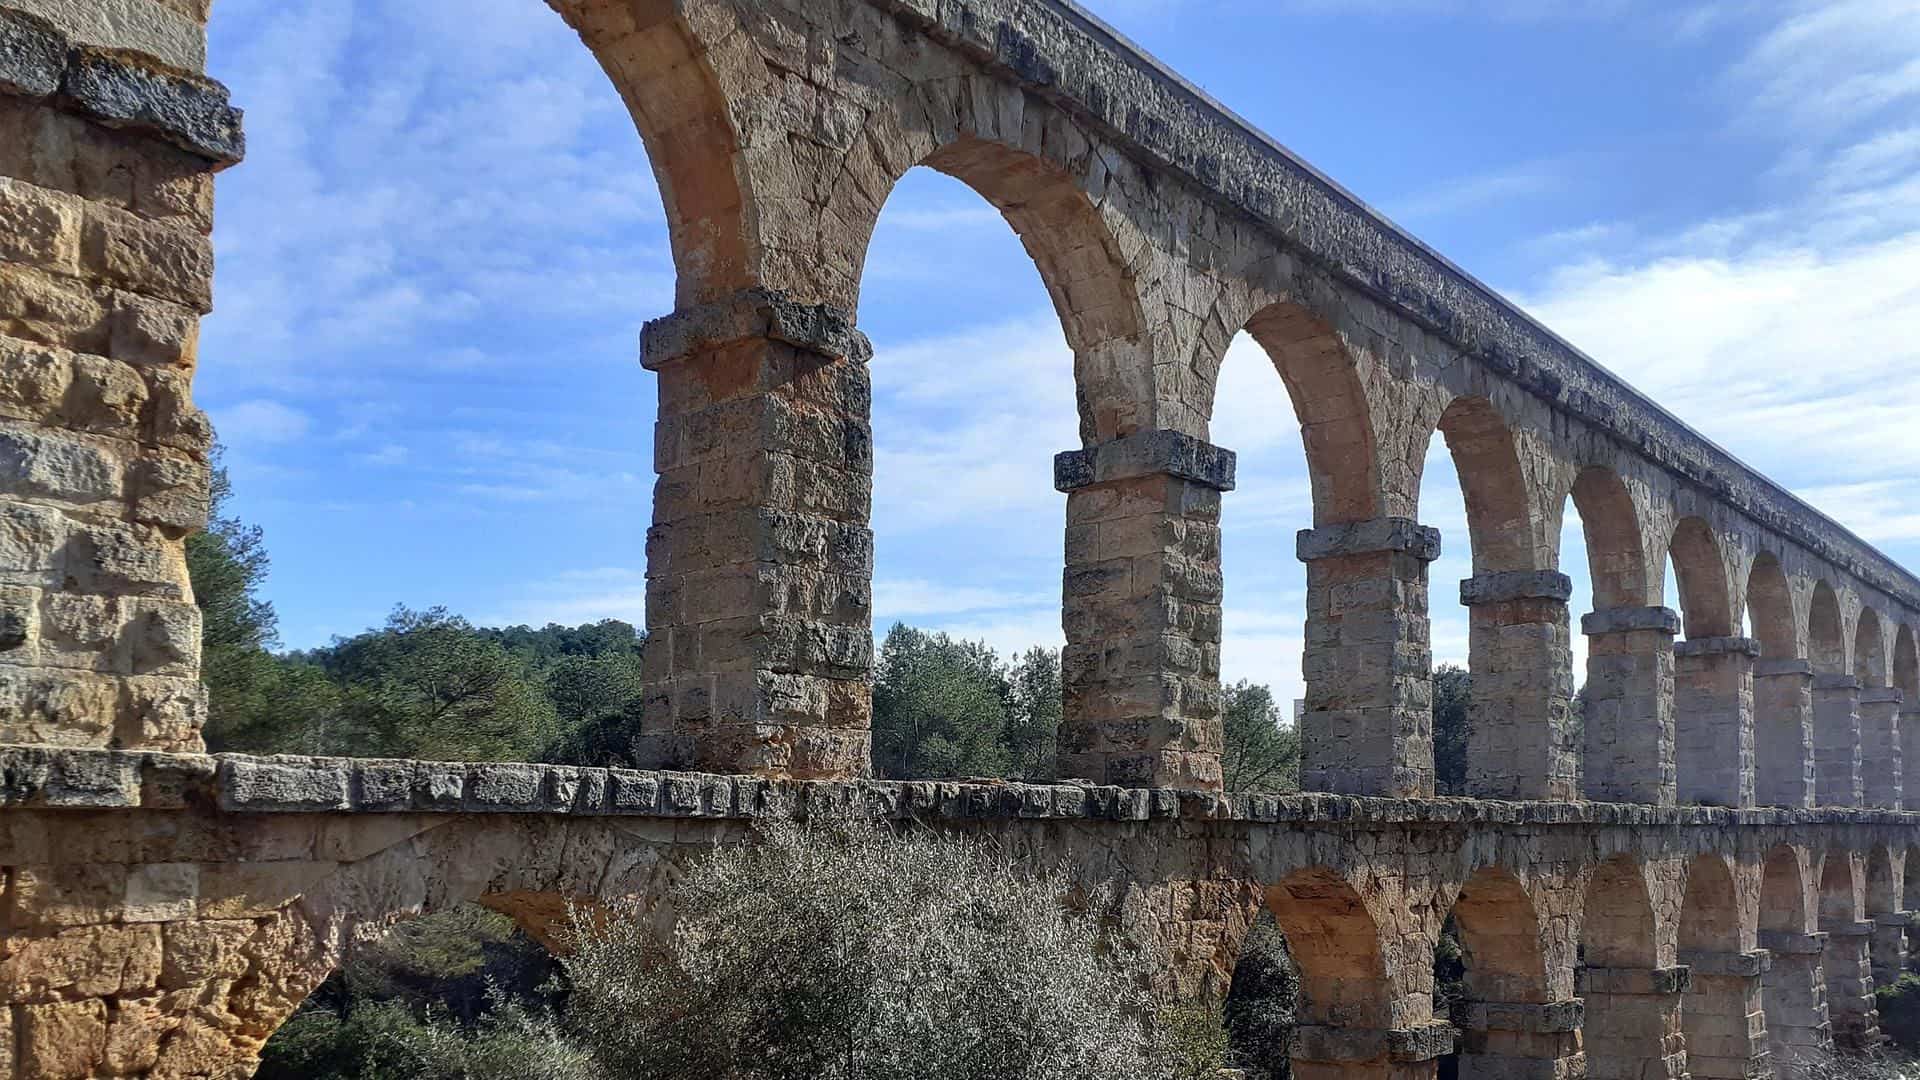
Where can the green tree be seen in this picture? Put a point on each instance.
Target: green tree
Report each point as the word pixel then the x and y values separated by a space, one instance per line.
pixel 1262 1002
pixel 940 707
pixel 1033 725
pixel 1261 752
pixel 1452 696
pixel 429 686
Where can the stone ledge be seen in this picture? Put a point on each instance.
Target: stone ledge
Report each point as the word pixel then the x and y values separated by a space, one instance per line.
pixel 1882 695
pixel 1551 1018
pixel 1509 585
pixel 1146 453
pixel 118 88
pixel 1767 669
pixel 1857 929
pixel 1740 965
pixel 1793 943
pixel 41 777
pixel 753 313
pixel 1718 646
pixel 1836 682
pixel 1319 1042
pixel 1656 982
pixel 1378 536
pixel 1626 620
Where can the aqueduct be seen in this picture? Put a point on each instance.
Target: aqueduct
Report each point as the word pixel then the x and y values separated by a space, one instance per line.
pixel 1707 876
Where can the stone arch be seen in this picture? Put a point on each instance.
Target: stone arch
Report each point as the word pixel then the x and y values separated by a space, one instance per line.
pixel 1335 943
pixel 1336 424
pixel 1783 894
pixel 1616 555
pixel 1617 925
pixel 1500 517
pixel 1869 650
pixel 1709 909
pixel 1047 196
pixel 1770 607
pixel 1706 602
pixel 1839 891
pixel 1826 641
pixel 670 76
pixel 1882 892
pixel 1906 667
pixel 1500 932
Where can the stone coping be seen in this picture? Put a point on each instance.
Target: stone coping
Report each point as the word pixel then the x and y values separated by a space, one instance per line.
pixel 39 777
pixel 118 88
pixel 1065 53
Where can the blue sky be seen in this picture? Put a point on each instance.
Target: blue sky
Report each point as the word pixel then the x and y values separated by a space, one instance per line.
pixel 435 262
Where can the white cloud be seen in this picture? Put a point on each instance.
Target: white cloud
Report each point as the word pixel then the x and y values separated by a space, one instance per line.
pixel 1832 63
pixel 260 422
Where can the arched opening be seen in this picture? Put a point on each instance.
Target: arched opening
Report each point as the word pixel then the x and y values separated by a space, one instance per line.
pixel 1335 945
pixel 1847 958
pixel 1782 705
pixel 1519 737
pixel 1621 748
pixel 1869 650
pixel 1889 945
pixel 1836 705
pixel 428 977
pixel 1618 956
pixel 982 617
pixel 1826 641
pixel 1330 404
pixel 1490 979
pixel 1791 987
pixel 1714 1009
pixel 1713 677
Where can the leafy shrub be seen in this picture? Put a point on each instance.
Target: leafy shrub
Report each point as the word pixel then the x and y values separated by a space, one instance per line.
pixel 1899 1006
pixel 843 952
pixel 1260 1004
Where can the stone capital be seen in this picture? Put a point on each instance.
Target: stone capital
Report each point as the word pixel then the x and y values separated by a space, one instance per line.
pixel 1426 1042
pixel 1156 452
pixel 1498 588
pixel 1655 982
pixel 1626 620
pixel 753 313
pixel 1793 943
pixel 1550 1018
pixel 1378 536
pixel 1739 964
pixel 1882 695
pixel 1718 646
pixel 1775 667
pixel 1836 682
pixel 1849 929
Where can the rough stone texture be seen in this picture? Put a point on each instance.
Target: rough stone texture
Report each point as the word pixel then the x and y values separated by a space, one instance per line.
pixel 164 912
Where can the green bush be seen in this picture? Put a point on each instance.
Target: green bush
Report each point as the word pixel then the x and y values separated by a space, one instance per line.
pixel 1260 1007
pixel 1899 1007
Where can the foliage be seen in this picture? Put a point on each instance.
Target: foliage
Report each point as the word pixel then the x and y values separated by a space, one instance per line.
pixel 948 708
pixel 1899 1006
pixel 1262 751
pixel 1197 1043
pixel 1452 695
pixel 373 1041
pixel 836 952
pixel 1260 1009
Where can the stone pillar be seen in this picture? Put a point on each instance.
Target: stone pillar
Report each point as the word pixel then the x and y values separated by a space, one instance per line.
pixel 108 147
pixel 1629 744
pixel 1783 732
pixel 1849 973
pixel 1633 1022
pixel 1713 720
pixel 1141 610
pixel 1722 1015
pixel 759 649
pixel 1328 1052
pixel 1880 751
pixel 1520 733
pixel 1889 946
pixel 1909 751
pixel 1368 727
pixel 1836 740
pixel 1523 1041
pixel 1794 992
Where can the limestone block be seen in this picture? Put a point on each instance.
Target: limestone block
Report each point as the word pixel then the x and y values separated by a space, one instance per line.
pixel 169 491
pixel 150 258
pixel 63 1041
pixel 33 380
pixel 33 54
pixel 31 538
pixel 39 228
pixel 126 560
pixel 198 951
pixel 166 31
pixel 19 625
pixel 284 784
pixel 65 708
pixel 36 306
pixel 142 330
pixel 135 1030
pixel 163 713
pixel 57 465
pixel 92 961
pixel 190 112
pixel 162 892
